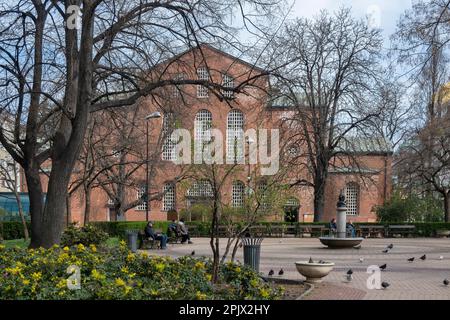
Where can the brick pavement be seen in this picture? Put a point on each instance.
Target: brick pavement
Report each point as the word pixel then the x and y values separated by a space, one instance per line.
pixel 409 281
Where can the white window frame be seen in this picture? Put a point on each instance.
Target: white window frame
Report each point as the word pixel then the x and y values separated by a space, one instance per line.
pixel 168 149
pixel 202 127
pixel 169 199
pixel 237 194
pixel 228 82
pixel 352 198
pixel 235 136
pixel 177 89
pixel 141 191
pixel 202 74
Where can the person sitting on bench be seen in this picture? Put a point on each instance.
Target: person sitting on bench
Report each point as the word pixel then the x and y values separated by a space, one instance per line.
pixel 184 232
pixel 150 233
pixel 333 226
pixel 351 229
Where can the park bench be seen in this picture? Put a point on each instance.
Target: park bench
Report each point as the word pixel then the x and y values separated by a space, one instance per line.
pixel 173 237
pixel 193 230
pixel 147 243
pixel 311 229
pixel 370 231
pixel 402 230
pixel 258 231
pixel 280 231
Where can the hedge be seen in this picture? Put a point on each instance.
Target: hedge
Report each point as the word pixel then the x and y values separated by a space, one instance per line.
pixel 14 230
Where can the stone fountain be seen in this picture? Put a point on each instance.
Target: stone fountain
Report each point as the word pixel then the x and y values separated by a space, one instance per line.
pixel 341 241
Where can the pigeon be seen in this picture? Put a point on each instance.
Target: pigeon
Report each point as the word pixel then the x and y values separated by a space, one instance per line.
pixel 271 273
pixel 383 267
pixel 424 257
pixel 311 260
pixel 350 272
pixel 361 260
pixel 193 253
pixel 322 262
pixel 386 251
pixel 390 247
pixel 446 282
pixel 281 272
pixel 441 258
pixel 385 285
pixel 349 277
pixel 411 259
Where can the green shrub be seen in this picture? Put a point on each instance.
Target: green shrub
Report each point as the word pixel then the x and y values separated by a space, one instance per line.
pixel 13 230
pixel 120 274
pixel 87 235
pixel 119 228
pixel 411 209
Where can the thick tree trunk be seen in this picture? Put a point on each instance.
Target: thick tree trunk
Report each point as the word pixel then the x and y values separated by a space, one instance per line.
pixel 319 204
pixel 36 206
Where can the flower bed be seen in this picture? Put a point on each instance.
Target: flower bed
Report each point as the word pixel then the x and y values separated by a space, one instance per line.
pixel 117 273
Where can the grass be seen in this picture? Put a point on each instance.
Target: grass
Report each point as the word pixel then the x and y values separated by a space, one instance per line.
pixel 21 243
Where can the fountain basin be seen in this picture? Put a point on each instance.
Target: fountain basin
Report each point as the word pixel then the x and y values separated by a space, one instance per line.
pixel 340 243
pixel 314 272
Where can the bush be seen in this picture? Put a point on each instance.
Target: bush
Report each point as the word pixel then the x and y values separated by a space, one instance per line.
pixel 411 209
pixel 197 212
pixel 13 230
pixel 120 274
pixel 87 235
pixel 119 228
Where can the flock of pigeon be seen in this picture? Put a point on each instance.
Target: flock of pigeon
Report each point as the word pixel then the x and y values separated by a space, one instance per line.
pixel 383 267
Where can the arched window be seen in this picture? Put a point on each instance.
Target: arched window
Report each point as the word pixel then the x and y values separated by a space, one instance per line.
pixel 352 198
pixel 202 127
pixel 235 136
pixel 237 194
pixel 169 197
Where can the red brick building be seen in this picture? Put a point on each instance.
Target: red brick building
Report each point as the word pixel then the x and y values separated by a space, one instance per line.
pixel 198 109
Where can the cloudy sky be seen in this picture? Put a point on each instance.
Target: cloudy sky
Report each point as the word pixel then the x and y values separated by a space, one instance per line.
pixel 386 12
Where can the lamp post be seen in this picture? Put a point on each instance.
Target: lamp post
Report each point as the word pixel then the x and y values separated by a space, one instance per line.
pixel 154 115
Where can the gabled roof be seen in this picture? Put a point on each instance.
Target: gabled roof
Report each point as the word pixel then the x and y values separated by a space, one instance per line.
pixel 218 51
pixel 365 145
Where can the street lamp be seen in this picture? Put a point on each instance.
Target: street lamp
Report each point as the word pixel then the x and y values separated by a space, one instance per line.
pixel 153 115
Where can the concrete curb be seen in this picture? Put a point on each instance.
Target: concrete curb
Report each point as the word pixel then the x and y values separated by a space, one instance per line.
pixel 307 292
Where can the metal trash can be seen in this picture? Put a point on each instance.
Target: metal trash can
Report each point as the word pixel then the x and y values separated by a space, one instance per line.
pixel 132 239
pixel 252 252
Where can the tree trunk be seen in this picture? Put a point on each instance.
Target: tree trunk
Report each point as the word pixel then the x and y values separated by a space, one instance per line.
pixel 87 204
pixel 214 243
pixel 447 206
pixel 68 209
pixel 319 203
pixel 22 216
pixel 36 206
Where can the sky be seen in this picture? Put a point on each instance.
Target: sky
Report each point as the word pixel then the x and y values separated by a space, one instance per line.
pixel 385 12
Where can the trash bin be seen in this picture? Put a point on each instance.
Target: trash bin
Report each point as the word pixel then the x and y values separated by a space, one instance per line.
pixel 252 252
pixel 132 239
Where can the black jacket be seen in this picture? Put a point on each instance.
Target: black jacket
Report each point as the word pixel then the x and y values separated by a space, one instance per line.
pixel 150 233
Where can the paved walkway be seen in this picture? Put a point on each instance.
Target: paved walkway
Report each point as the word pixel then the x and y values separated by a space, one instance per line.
pixel 409 281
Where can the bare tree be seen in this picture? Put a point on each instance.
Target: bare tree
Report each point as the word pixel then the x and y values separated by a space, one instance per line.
pixel 331 68
pixel 55 72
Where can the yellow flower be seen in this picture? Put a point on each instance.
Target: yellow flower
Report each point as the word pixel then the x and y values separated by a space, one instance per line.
pixel 200 296
pixel 26 282
pixel 97 275
pixel 209 277
pixel 16 270
pixel 127 289
pixel 130 257
pixel 66 249
pixel 36 276
pixel 199 265
pixel 254 283
pixel 124 269
pixel 93 247
pixel 120 282
pixel 145 255
pixel 265 294
pixel 80 247
pixel 160 267
pixel 237 269
pixel 123 244
pixel 153 292
pixel 61 284
pixel 2 246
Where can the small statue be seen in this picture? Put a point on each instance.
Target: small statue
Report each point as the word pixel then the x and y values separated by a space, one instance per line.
pixel 341 203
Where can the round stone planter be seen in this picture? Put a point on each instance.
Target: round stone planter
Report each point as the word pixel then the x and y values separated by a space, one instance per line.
pixel 340 243
pixel 314 272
